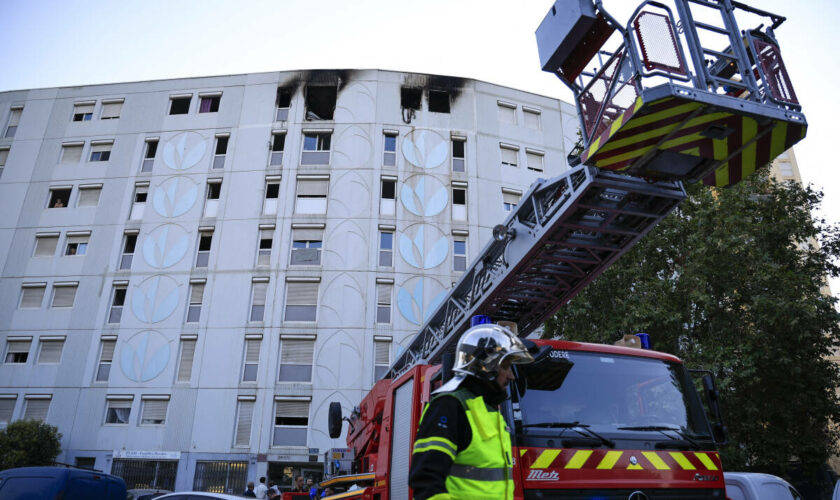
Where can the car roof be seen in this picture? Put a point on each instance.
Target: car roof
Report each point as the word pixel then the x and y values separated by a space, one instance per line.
pixel 220 496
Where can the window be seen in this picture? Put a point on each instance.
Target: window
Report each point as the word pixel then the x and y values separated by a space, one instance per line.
pixel 438 101
pixel 244 417
pixel 533 118
pixel 252 359
pixel 72 152
pixel 179 105
pixel 785 168
pixel 278 144
pixel 535 160
pixel 459 255
pixel 32 295
pixel 316 148
pixel 386 248
pixel 306 246
pixel 100 151
pixel 153 411
pixel 509 155
pixel 381 357
pixel 211 204
pixel 196 298
pixel 272 195
pixel 7 408
pixel 389 158
pixel 209 103
pixel 117 302
pixel 129 243
pixel 388 202
pixel 383 302
pixel 185 361
pixel 4 155
pixel 83 111
pixel 320 101
pixel 507 113
pixel 111 109
pixel 64 294
pixel 89 195
pixel 14 120
pixel 283 102
pixel 312 195
pixel 50 349
pixel 291 421
pixel 17 350
pixel 36 407
pixel 221 151
pixel 510 199
pixel 459 161
pixel 77 243
pixel 45 244
pixel 141 192
pixel 59 197
pixel 205 241
pixel 118 410
pixel 106 357
pixel 301 300
pixel 149 155
pixel 296 359
pixel 259 289
pixel 410 98
pixel 266 239
pixel 459 202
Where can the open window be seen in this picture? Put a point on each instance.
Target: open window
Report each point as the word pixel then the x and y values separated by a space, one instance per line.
pixel 320 101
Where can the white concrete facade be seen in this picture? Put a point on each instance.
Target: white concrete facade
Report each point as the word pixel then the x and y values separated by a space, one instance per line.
pixel 164 352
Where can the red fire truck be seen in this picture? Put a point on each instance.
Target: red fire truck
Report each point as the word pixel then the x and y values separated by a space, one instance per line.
pixel 676 95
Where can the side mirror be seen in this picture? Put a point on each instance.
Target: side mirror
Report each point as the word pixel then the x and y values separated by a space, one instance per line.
pixel 334 424
pixel 713 400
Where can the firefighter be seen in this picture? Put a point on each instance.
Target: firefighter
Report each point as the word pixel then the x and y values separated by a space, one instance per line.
pixel 463 447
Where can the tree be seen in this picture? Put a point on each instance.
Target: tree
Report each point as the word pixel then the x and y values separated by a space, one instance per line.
pixel 731 281
pixel 26 443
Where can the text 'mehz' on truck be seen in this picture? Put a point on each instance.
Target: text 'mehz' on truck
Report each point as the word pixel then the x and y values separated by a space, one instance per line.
pixel 684 92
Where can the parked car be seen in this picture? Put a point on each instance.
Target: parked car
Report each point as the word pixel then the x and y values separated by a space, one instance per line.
pixel 48 483
pixel 757 486
pixel 145 493
pixel 198 495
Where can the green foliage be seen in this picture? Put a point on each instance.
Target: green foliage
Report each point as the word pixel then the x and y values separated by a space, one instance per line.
pixel 732 282
pixel 26 443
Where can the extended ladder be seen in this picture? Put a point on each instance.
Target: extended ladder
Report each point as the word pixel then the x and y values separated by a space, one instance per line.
pixel 565 232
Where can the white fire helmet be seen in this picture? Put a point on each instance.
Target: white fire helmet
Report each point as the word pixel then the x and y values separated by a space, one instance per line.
pixel 483 348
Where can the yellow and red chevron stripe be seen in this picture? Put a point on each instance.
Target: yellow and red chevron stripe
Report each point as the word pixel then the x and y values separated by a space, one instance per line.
pixel 681 125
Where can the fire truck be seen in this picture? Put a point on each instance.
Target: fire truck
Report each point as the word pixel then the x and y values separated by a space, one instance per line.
pixel 680 93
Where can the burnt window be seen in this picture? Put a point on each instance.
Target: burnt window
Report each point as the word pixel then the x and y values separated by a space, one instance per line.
pixel 410 97
pixel 284 97
pixel 439 101
pixel 320 102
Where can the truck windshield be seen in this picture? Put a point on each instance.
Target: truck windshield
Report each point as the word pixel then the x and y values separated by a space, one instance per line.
pixel 613 395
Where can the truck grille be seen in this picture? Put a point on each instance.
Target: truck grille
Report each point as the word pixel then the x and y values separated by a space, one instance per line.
pixel 624 494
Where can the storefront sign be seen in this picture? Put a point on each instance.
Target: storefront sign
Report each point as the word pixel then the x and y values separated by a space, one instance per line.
pixel 148 455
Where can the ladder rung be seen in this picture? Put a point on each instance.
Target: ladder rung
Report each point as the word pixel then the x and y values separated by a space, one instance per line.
pixel 720 54
pixel 726 81
pixel 706 3
pixel 711 28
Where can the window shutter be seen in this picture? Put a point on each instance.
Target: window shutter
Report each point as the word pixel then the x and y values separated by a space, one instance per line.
pixel 532 119
pixel 108 347
pixel 89 197
pixel 63 296
pixel 94 148
pixel 7 409
pixel 307 234
pixel 382 353
pixel 296 352
pixel 45 246
pixel 71 154
pixel 19 345
pixel 154 411
pixel 313 188
pixel 507 114
pixel 383 294
pixel 50 351
pixel 243 423
pixel 266 235
pixel 260 290
pixel 36 409
pixel 4 154
pixel 535 161
pixel 196 293
pixel 510 198
pixel 185 366
pixel 293 409
pixel 14 120
pixel 111 109
pixel 509 156
pixel 252 351
pixel 32 296
pixel 83 108
pixel 302 294
pixel 120 403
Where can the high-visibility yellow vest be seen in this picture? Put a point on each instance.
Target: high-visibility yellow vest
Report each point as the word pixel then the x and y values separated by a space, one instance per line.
pixel 484 468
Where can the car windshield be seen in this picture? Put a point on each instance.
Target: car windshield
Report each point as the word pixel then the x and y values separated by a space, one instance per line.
pixel 612 395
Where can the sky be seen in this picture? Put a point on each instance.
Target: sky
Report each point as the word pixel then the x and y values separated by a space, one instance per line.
pixel 52 43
